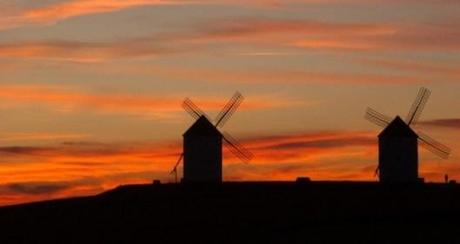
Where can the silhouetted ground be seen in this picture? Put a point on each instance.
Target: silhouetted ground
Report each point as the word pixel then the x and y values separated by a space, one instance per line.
pixel 317 212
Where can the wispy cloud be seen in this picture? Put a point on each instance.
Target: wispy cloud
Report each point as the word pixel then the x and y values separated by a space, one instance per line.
pixel 40 136
pixel 453 123
pixel 404 38
pixel 28 13
pixel 277 76
pixel 154 106
pixel 85 51
pixel 51 12
pixel 439 68
pixel 287 148
pixel 36 188
pixel 269 33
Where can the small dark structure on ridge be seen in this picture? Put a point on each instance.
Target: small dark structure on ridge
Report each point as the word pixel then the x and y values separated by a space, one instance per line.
pixel 398 143
pixel 202 152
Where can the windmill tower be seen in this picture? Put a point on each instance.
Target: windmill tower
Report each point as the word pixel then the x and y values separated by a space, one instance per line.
pixel 202 152
pixel 398 143
pixel 202 147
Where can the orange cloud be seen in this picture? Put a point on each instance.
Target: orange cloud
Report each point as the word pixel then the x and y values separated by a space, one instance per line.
pixel 404 37
pixel 64 9
pixel 160 107
pixel 73 8
pixel 84 51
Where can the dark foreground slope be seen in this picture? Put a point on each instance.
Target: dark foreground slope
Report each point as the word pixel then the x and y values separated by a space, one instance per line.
pixel 243 213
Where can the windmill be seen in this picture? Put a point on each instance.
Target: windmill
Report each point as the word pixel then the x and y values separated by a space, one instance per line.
pixel 202 147
pixel 398 143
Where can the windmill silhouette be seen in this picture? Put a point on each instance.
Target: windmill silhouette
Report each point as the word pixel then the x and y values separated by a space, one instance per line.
pixel 202 147
pixel 398 143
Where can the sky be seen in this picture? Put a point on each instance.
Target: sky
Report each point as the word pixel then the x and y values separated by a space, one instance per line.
pixel 91 90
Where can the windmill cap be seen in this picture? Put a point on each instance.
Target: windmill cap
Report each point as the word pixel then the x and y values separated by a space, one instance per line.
pixel 398 128
pixel 202 127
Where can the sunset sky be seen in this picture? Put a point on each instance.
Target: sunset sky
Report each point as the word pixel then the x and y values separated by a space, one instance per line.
pixel 91 90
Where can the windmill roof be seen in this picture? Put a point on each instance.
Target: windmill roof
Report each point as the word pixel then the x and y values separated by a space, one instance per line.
pixel 398 128
pixel 202 127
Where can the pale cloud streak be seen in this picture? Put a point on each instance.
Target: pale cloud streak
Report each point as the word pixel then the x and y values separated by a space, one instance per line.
pixel 66 99
pixel 84 51
pixel 295 35
pixel 274 33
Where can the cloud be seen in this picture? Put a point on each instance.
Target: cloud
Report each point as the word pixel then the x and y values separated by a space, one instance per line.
pixel 79 51
pixel 37 188
pixel 38 136
pixel 269 76
pixel 426 37
pixel 191 40
pixel 232 28
pixel 271 34
pixel 71 8
pixel 453 123
pixel 154 106
pixel 54 11
pixel 308 146
pixel 83 150
pixel 446 69
pixel 36 151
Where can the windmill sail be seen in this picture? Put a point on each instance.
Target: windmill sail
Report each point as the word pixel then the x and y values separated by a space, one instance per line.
pixel 418 106
pixel 229 109
pixel 192 109
pixel 242 153
pixel 377 118
pixel 434 146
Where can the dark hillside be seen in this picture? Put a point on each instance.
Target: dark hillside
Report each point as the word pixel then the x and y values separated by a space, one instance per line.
pixel 243 212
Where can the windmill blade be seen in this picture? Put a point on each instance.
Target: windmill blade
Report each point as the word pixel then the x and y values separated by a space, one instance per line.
pixel 242 153
pixel 418 106
pixel 414 105
pixel 377 118
pixel 174 170
pixel 192 109
pixel 229 109
pixel 434 146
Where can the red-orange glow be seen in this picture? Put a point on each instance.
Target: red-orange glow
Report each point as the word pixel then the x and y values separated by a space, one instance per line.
pixel 35 173
pixel 91 168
